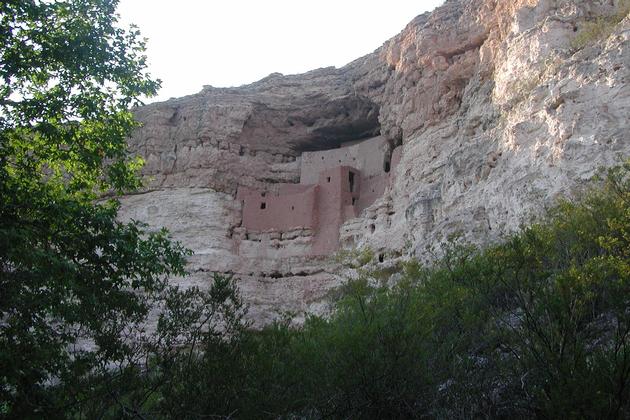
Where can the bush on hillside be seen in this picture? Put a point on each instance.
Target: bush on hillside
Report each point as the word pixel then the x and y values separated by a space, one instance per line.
pixel 538 326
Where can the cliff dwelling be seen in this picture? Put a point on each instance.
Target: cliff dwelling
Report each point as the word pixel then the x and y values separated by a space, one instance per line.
pixel 335 186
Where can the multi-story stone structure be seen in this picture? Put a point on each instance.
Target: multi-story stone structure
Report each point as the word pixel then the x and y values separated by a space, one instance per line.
pixel 335 185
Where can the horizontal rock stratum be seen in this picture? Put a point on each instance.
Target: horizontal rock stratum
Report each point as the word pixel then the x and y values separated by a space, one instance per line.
pixel 490 105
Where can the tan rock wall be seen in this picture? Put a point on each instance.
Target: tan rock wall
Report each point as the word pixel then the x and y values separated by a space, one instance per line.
pixel 495 113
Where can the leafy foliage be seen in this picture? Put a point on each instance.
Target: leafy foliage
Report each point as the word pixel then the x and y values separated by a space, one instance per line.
pixel 166 377
pixel 76 284
pixel 538 326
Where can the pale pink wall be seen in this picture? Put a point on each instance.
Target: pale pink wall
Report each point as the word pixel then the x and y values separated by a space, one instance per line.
pixel 371 156
pixel 313 164
pixel 371 189
pixel 286 189
pixel 325 204
pixel 396 155
pixel 281 212
pixel 334 205
pixel 367 156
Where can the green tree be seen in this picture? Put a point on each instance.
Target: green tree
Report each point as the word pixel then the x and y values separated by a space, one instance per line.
pixel 76 285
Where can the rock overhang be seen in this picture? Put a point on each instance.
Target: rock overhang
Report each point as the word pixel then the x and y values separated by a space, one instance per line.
pixel 446 88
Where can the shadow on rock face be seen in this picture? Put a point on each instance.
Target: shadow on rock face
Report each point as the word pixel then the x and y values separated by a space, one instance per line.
pixel 315 124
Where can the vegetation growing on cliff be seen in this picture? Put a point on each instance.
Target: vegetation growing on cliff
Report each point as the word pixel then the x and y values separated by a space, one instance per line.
pixel 76 285
pixel 600 27
pixel 538 326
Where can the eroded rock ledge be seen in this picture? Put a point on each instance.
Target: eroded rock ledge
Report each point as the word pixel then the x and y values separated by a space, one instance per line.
pixel 494 112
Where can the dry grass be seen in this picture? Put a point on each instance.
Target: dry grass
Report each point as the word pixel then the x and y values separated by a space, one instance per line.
pixel 600 28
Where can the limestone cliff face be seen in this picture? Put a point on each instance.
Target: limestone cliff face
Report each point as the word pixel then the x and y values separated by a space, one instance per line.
pixel 495 111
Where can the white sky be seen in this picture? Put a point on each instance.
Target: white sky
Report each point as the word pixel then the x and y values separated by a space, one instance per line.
pixel 233 42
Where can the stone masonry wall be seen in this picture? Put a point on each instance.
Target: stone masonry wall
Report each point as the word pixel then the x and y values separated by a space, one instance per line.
pixel 265 211
pixel 339 192
pixel 367 156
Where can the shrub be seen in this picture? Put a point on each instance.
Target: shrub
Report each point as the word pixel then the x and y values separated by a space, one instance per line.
pixel 601 27
pixel 538 326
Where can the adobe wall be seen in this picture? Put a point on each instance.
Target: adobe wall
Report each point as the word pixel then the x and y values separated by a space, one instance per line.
pixel 334 203
pixel 337 194
pixel 285 189
pixel 367 156
pixel 287 210
pixel 371 189
pixel 371 156
pixel 396 155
